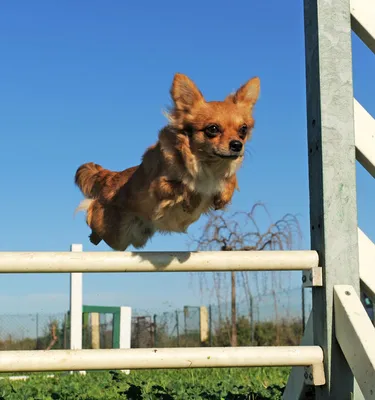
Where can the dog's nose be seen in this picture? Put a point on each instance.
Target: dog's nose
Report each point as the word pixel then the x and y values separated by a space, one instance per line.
pixel 235 145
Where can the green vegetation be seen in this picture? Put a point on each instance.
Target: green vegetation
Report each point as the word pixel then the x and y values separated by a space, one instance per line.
pixel 189 384
pixel 208 384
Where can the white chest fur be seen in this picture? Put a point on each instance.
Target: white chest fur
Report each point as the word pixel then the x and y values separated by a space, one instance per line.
pixel 176 219
pixel 208 181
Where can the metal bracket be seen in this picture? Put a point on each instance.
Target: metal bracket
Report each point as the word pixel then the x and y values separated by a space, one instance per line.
pixel 312 277
pixel 314 375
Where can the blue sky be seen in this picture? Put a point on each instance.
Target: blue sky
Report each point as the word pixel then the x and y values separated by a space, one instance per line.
pixel 87 81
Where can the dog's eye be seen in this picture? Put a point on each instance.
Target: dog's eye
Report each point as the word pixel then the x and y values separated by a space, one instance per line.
pixel 243 131
pixel 211 130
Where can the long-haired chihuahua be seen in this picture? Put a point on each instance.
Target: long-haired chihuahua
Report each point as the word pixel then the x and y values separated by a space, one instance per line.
pixel 189 171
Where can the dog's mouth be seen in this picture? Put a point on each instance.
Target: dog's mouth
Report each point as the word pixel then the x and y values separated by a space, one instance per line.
pixel 227 156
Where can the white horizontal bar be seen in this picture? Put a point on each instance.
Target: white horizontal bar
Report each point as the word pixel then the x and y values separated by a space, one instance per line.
pixel 366 253
pixel 364 126
pixel 201 357
pixel 363 17
pixel 25 262
pixel 356 336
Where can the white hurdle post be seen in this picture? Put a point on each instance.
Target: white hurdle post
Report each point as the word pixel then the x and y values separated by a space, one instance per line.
pixel 76 306
pixel 76 295
pixel 125 330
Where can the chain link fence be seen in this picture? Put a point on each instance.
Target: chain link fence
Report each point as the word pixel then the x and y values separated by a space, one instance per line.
pixel 143 332
pixel 33 331
pixel 274 318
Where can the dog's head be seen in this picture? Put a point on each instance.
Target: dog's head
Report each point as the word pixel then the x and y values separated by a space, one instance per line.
pixel 217 130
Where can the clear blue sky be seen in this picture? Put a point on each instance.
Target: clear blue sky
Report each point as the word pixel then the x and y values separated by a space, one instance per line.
pixel 87 81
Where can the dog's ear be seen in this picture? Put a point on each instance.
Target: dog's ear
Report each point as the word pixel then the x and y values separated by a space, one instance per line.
pixel 184 93
pixel 247 93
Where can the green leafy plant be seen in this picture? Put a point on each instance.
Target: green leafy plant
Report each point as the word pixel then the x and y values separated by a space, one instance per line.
pixel 189 384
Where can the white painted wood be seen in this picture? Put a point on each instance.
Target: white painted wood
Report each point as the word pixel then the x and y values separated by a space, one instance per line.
pixel 366 249
pixel 313 277
pixel 314 375
pixel 125 330
pixel 125 327
pixel 204 328
pixel 76 305
pixel 49 262
pixel 95 330
pixel 363 17
pixel 364 125
pixel 296 385
pixel 76 295
pixel 194 357
pixel 356 336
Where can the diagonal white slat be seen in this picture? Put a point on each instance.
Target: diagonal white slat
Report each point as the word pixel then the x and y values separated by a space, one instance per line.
pixel 362 20
pixel 296 387
pixel 364 126
pixel 366 250
pixel 356 337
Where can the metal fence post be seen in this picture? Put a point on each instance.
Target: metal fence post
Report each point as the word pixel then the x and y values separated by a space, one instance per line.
pixel 177 329
pixel 210 324
pixel 155 331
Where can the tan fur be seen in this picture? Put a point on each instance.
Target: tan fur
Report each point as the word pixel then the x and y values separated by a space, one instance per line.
pixel 184 175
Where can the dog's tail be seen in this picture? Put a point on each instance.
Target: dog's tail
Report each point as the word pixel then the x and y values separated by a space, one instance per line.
pixel 89 179
pixel 88 205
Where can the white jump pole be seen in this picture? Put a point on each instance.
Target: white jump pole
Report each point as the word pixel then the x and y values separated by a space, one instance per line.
pixel 117 261
pixel 125 330
pixel 195 357
pixel 76 295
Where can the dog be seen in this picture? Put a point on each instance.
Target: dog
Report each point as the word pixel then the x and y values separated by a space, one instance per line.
pixel 188 172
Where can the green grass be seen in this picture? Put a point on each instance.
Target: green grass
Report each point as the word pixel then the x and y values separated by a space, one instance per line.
pixel 185 384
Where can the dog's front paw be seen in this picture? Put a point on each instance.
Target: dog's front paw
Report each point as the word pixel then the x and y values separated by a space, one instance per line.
pixel 219 203
pixel 190 202
pixel 187 207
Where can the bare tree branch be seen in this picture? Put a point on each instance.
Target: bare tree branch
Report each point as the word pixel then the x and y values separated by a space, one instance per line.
pixel 241 230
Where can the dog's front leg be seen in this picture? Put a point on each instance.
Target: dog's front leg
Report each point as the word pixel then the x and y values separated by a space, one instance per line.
pixel 222 199
pixel 168 193
pixel 191 201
